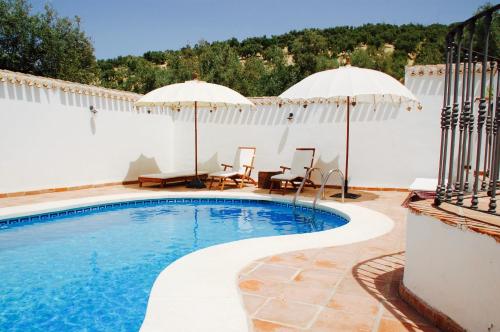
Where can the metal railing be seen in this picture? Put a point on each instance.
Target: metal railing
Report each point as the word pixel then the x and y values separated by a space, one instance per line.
pixel 469 158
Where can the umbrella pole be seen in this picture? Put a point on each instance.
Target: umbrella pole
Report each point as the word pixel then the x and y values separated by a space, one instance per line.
pixel 347 194
pixel 348 120
pixel 196 182
pixel 196 140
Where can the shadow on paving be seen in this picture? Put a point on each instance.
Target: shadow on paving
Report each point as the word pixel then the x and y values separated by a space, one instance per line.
pixel 380 277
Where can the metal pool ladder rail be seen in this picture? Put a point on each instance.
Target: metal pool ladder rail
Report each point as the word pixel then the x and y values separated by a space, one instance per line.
pixel 324 180
pixel 308 173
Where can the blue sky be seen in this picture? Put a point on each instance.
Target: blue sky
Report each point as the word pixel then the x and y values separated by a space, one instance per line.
pixel 122 27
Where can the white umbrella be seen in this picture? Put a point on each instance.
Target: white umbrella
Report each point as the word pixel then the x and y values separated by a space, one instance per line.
pixel 350 85
pixel 197 94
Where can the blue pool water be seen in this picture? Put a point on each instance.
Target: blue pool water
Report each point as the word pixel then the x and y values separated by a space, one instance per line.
pixel 92 269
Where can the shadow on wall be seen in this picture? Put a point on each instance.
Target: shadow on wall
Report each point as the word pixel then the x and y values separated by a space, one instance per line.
pixel 212 164
pixel 325 166
pixel 99 103
pixel 32 94
pixel 425 86
pixel 93 126
pixel 20 92
pixel 140 166
pixel 274 115
pixel 283 140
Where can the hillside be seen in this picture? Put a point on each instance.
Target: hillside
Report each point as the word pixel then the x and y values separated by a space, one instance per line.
pixel 268 65
pixel 45 44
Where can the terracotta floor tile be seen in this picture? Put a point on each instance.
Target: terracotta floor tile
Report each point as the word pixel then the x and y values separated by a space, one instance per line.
pixel 306 294
pixel 249 268
pixel 332 265
pixel 296 258
pixel 397 309
pixel 330 320
pixel 263 326
pixel 288 313
pixel 253 302
pixel 392 290
pixel 388 325
pixel 379 266
pixel 355 303
pixel 266 288
pixel 377 285
pixel 274 272
pixel 319 278
pixel 359 287
pixel 344 258
pixel 250 285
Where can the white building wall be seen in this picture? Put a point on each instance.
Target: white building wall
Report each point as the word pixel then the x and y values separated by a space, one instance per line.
pixel 455 271
pixel 50 139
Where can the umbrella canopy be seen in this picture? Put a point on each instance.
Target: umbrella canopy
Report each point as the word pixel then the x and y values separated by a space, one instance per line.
pixel 351 85
pixel 186 94
pixel 335 85
pixel 195 94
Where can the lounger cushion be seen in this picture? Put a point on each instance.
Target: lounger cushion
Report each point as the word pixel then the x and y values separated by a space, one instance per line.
pixel 285 177
pixel 171 175
pixel 424 184
pixel 224 174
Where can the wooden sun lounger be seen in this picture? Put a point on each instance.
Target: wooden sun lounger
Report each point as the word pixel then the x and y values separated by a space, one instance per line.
pixel 170 177
pixel 303 160
pixel 240 171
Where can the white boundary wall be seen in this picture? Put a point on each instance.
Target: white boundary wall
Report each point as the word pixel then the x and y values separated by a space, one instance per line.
pixel 389 146
pixel 386 149
pixel 454 271
pixel 49 138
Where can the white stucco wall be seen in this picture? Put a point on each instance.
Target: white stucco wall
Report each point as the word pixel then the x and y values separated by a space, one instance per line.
pixel 389 146
pixel 49 139
pixel 455 271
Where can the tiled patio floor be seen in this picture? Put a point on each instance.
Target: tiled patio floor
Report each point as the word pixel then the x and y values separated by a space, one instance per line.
pixel 347 288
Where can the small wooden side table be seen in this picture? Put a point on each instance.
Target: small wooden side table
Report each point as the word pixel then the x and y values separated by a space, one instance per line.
pixel 265 178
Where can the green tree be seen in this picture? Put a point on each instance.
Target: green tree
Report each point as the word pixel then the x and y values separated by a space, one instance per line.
pixel 44 44
pixel 306 52
pixel 430 54
pixel 181 67
pixel 156 57
pixel 268 65
pixel 132 73
pixel 220 64
pixel 361 58
pixel 253 77
pixel 494 34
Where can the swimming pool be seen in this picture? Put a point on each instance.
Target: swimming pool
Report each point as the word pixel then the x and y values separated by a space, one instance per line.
pixel 91 269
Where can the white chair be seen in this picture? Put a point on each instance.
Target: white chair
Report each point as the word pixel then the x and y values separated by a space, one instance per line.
pixel 240 170
pixel 302 161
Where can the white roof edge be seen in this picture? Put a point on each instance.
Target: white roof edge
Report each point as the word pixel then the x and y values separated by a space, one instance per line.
pixel 17 78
